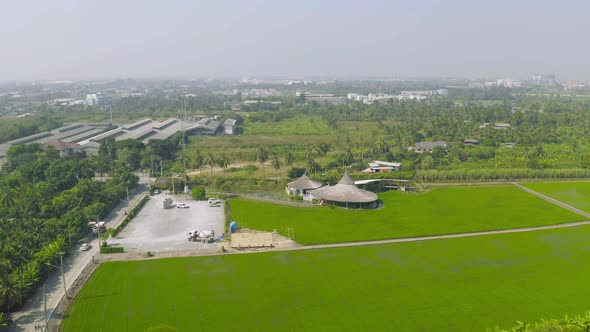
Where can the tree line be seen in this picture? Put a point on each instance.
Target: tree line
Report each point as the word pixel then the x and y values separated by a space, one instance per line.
pixel 46 202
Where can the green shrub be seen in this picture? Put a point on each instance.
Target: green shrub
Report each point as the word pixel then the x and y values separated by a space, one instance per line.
pixel 296 197
pixel 161 328
pixel 250 168
pixel 566 324
pixel 111 250
pixel 199 193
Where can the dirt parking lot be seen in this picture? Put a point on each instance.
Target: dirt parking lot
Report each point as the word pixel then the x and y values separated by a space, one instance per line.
pixel 156 228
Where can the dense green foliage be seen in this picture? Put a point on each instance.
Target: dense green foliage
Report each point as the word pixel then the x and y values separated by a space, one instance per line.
pixel 20 127
pixel 578 323
pixel 443 210
pixel 46 202
pixel 199 193
pixel 466 284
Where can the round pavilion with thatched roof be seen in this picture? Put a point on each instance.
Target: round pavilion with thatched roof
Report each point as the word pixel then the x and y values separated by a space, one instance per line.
pixel 302 186
pixel 346 193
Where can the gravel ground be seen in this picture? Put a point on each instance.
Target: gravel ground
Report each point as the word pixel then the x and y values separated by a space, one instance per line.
pixel 156 228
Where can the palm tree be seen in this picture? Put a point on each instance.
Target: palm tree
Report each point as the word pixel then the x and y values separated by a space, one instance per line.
pixel 262 157
pixel 210 162
pixel 6 199
pixel 276 164
pixel 381 145
pixel 289 158
pixel 223 162
pixel 10 294
pixel 199 160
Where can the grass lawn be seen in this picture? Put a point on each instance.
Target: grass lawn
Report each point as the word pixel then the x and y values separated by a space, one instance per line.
pixel 576 194
pixel 466 284
pixel 442 210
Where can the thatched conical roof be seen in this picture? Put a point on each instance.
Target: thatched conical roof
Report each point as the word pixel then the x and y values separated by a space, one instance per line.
pixel 344 191
pixel 304 183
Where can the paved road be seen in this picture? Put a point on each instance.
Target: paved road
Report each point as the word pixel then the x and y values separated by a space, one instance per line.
pixel 32 314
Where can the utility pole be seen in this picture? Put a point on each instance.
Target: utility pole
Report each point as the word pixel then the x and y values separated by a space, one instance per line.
pixel 161 169
pixel 184 176
pixel 45 308
pixel 61 267
pixel 63 275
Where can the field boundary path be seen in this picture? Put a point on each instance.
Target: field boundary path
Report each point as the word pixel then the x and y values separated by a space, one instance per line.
pixel 552 200
pixel 441 237
pixel 31 316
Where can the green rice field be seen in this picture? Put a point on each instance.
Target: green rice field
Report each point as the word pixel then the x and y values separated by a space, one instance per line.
pixel 442 210
pixel 576 194
pixel 464 284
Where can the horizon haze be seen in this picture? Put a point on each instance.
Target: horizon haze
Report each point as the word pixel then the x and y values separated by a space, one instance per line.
pixel 74 40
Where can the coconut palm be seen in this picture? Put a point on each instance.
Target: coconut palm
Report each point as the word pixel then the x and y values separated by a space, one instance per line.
pixel 262 157
pixel 199 160
pixel 6 199
pixel 276 164
pixel 223 162
pixel 289 158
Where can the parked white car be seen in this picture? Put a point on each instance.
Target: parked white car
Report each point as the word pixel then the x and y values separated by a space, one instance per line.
pixel 84 247
pixel 215 203
pixel 182 206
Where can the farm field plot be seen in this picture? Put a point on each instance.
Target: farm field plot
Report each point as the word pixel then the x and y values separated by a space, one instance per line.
pixel 465 284
pixel 442 210
pixel 576 194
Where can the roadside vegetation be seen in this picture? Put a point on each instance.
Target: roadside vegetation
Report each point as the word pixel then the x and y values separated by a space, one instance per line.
pixel 46 202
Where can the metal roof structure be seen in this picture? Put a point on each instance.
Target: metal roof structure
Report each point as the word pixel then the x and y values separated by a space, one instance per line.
pixel 430 145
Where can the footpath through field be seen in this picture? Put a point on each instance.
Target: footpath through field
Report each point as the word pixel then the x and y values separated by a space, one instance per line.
pixel 552 200
pixel 31 317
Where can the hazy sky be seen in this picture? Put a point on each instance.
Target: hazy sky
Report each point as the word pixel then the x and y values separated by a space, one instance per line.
pixel 77 39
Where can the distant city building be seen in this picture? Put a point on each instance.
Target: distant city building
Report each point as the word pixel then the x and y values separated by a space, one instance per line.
pixel 509 83
pixel 321 98
pixel 405 95
pixel 97 99
pixel 543 80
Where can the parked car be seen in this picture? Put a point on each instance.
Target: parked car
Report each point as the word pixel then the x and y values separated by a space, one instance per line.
pixel 182 206
pixel 156 191
pixel 84 247
pixel 215 203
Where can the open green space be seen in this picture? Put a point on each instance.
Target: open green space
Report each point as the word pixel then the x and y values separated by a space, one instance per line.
pixel 464 284
pixel 576 194
pixel 442 210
